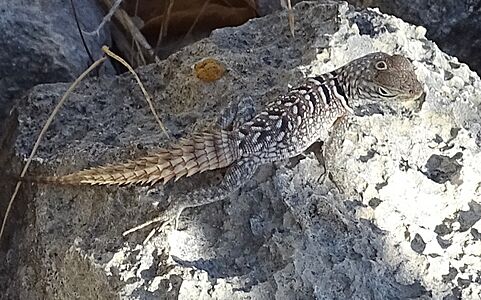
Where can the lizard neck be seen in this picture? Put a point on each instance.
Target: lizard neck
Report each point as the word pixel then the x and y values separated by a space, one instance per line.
pixel 342 89
pixel 353 78
pixel 350 82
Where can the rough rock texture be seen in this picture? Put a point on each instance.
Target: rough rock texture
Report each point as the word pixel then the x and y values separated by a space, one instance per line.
pixel 406 224
pixel 418 172
pixel 39 49
pixel 453 24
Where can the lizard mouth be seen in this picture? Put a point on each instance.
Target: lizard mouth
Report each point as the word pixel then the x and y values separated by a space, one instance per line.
pixel 413 95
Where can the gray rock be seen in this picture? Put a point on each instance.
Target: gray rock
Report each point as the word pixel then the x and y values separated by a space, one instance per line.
pixel 286 234
pixel 41 43
pixel 453 24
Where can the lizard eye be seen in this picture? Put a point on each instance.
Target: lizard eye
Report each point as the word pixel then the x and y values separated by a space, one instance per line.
pixel 383 92
pixel 381 65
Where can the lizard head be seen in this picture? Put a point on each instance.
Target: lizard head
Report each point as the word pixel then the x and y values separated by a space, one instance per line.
pixel 380 76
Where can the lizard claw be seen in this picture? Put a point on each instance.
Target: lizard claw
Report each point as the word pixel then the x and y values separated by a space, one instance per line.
pixel 177 217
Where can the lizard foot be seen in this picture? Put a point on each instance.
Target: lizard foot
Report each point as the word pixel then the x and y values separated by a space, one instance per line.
pixel 168 217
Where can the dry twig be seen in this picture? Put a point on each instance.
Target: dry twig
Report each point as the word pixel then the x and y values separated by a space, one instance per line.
pixel 290 14
pixel 106 19
pixel 41 135
pixel 125 26
pixel 165 24
pixel 143 225
pixel 144 91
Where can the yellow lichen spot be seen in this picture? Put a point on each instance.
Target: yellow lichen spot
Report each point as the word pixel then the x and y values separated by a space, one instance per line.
pixel 209 69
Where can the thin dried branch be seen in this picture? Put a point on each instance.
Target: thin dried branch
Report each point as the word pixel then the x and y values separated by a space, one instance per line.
pixel 41 135
pixel 106 19
pixel 127 27
pixel 165 24
pixel 290 14
pixel 144 91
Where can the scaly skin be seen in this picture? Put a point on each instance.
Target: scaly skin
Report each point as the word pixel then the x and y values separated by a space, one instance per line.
pixel 285 128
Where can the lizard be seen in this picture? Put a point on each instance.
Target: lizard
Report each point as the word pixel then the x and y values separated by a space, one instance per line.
pixel 285 128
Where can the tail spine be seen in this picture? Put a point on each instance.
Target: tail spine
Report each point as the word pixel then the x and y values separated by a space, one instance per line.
pixel 199 153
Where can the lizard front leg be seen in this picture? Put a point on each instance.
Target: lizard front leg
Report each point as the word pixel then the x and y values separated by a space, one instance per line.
pixel 332 144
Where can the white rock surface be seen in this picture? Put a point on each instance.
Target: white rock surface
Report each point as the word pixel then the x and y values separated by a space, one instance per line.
pixel 422 170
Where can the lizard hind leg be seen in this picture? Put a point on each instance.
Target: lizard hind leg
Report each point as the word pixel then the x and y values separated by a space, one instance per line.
pixel 237 175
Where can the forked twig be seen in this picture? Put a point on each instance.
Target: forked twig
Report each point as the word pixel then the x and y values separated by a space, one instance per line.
pixel 42 133
pixel 127 27
pixel 144 91
pixel 106 18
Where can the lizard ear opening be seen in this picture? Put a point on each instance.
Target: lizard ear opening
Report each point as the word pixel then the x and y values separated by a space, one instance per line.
pixel 381 65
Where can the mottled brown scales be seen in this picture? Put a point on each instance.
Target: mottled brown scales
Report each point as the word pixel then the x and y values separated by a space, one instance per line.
pixel 202 152
pixel 285 128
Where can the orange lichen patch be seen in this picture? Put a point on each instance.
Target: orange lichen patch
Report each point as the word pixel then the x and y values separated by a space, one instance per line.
pixel 209 69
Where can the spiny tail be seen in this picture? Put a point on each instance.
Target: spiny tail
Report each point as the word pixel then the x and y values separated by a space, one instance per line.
pixel 199 153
